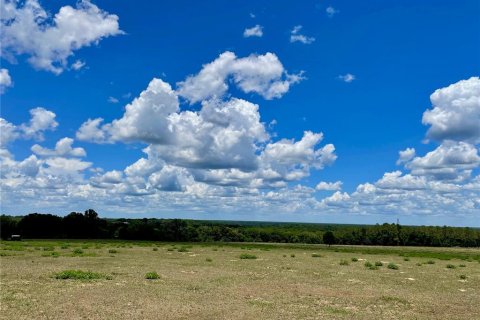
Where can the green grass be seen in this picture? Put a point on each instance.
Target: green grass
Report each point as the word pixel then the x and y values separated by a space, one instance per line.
pixel 248 256
pixel 78 275
pixel 344 262
pixel 152 275
pixel 354 259
pixel 378 263
pixel 451 266
pixel 392 266
pixel 112 251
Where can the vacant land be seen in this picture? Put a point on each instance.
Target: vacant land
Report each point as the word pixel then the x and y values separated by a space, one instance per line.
pixel 149 280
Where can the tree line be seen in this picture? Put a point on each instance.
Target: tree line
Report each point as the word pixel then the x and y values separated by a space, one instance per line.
pixel 89 225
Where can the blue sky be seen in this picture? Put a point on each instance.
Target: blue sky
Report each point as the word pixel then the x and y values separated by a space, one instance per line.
pixel 361 73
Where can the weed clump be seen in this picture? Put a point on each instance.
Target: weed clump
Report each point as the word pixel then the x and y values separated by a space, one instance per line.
pixel 344 263
pixel 378 263
pixel 77 251
pixel 462 265
pixel 406 259
pixel 392 266
pixel 78 275
pixel 354 259
pixel 208 259
pixel 292 255
pixel 316 255
pixel 430 262
pixel 112 251
pixel 248 256
pixel 370 266
pixel 155 249
pixel 152 275
pixel 182 249
pixel 463 277
pixel 451 266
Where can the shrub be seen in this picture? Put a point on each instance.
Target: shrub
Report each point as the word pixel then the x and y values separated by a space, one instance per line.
pixel 419 264
pixel 354 259
pixel 430 262
pixel 78 251
pixel 406 259
pixel 112 251
pixel 392 266
pixel 284 255
pixel 155 249
pixel 78 275
pixel 208 259
pixel 182 249
pixel 152 275
pixel 316 255
pixel 170 249
pixel 248 256
pixel 378 263
pixel 450 266
pixel 463 277
pixel 292 255
pixel 344 263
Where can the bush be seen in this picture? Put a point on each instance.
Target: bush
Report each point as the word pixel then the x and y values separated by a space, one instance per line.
pixel 78 275
pixel 208 259
pixel 392 266
pixel 182 249
pixel 370 266
pixel 354 259
pixel 378 263
pixel 112 251
pixel 316 255
pixel 450 266
pixel 292 255
pixel 430 262
pixel 344 263
pixel 78 251
pixel 406 259
pixel 152 275
pixel 155 249
pixel 463 277
pixel 419 264
pixel 248 256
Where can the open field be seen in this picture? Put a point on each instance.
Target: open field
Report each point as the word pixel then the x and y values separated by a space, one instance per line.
pixel 235 281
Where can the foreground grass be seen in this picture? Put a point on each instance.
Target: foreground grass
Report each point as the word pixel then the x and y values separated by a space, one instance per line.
pixel 113 280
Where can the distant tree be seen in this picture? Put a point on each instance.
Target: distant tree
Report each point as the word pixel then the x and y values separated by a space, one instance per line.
pixel 329 238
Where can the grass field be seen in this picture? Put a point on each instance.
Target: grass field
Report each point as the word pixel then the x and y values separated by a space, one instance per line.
pixel 149 280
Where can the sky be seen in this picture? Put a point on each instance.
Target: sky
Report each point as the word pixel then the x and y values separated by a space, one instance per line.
pixel 313 111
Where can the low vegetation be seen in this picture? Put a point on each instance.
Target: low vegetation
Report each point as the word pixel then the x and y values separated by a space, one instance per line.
pixel 79 275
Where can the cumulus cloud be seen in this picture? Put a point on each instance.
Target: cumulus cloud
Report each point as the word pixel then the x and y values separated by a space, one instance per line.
pixel 455 113
pixel 41 120
pixel 256 31
pixel 296 36
pixel 26 28
pixel 261 74
pixel 5 80
pixel 329 186
pixel 347 77
pixel 405 155
pixel 63 148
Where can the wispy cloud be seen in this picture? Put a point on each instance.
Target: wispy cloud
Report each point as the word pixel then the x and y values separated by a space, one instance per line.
pixel 347 77
pixel 256 31
pixel 295 36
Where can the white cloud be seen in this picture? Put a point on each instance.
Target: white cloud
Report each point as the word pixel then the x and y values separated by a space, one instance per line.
pixel 63 148
pixel 112 100
pixel 261 74
pixel 347 77
pixel 456 112
pixel 295 36
pixel 78 64
pixel 41 120
pixel 5 80
pixel 49 41
pixel 329 186
pixel 331 11
pixel 451 160
pixel 405 155
pixel 256 31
